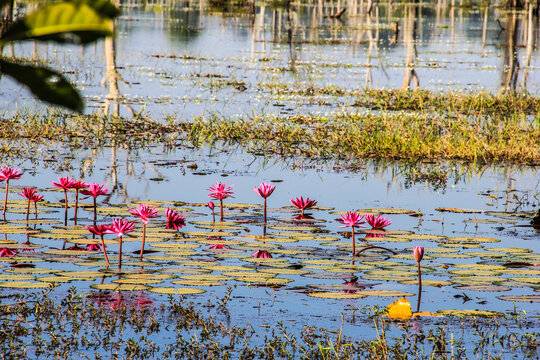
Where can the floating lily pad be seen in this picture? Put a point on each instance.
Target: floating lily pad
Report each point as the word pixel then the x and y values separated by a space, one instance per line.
pixel 336 295
pixel 436 283
pixel 460 211
pixel 480 266
pixel 528 280
pixel 198 283
pixel 16 277
pixel 119 287
pixel 385 293
pixel 178 291
pixel 26 285
pixel 471 239
pixel 522 298
pixel 489 288
pixel 470 313
pixel 137 281
pixel 60 279
pixel 510 250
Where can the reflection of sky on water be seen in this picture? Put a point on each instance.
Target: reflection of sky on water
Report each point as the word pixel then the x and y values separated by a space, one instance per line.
pixel 450 49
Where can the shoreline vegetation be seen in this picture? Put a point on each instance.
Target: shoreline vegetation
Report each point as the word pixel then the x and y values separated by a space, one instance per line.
pixel 470 127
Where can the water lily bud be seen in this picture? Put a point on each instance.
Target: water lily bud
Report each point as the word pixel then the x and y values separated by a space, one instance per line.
pixel 418 252
pixel 210 205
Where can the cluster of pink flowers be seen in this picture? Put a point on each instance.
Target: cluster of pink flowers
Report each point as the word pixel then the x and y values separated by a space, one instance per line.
pixel 218 191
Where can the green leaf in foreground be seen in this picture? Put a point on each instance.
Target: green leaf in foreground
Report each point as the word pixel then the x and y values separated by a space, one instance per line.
pixel 65 22
pixel 48 85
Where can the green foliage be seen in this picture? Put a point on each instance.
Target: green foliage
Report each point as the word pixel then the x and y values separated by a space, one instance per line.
pixel 48 85
pixel 76 21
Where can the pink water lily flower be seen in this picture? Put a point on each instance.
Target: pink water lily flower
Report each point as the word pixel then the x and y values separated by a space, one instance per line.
pixel 93 247
pixel 264 190
pixel 7 174
pixel 77 185
pixel 220 191
pixel 30 194
pixel 352 219
pixel 64 183
pixel 174 220
pixel 261 254
pixel 121 227
pixel 8 252
pixel 218 247
pixel 101 230
pixel 303 204
pixel 94 190
pixel 377 221
pixel 144 212
pixel 418 253
pixel 211 205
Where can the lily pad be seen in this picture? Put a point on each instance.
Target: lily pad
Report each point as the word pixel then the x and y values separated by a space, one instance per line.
pixel 177 291
pixel 336 295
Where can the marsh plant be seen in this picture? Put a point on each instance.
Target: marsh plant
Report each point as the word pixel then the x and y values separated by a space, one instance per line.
pixel 130 325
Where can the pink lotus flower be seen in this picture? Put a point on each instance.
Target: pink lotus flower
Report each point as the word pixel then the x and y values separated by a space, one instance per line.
pixel 93 247
pixel 101 230
pixel 121 227
pixel 8 252
pixel 302 204
pixel 218 247
pixel 352 219
pixel 65 184
pixel 418 252
pixel 211 205
pixel 7 174
pixel 77 185
pixel 145 213
pixel 95 190
pixel 264 190
pixel 377 221
pixel 374 235
pixel 174 220
pixel 30 194
pixel 220 191
pixel 261 254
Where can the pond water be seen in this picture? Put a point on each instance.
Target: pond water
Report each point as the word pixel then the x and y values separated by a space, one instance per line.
pixel 189 59
pixel 463 266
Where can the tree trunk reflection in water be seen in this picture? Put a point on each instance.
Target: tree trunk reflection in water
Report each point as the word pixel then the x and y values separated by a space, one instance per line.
pixel 529 47
pixel 510 66
pixel 409 39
